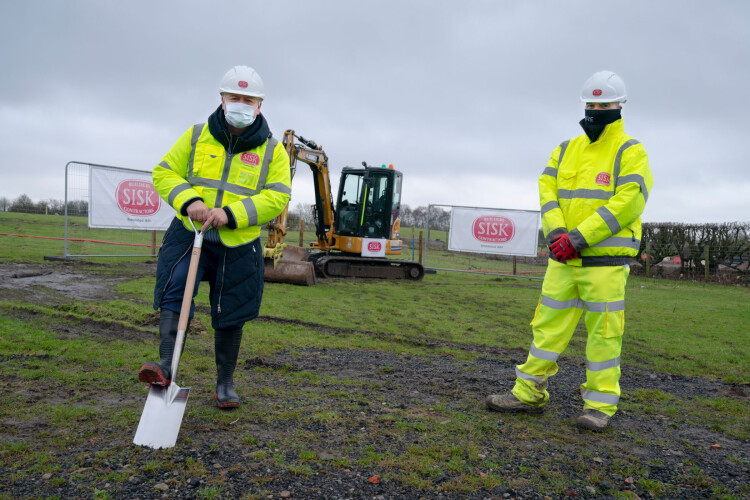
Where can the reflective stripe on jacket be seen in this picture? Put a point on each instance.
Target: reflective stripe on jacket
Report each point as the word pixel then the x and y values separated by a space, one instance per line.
pixel 596 192
pixel 254 185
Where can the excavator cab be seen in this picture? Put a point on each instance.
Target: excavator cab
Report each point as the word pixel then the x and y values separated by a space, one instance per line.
pixel 368 203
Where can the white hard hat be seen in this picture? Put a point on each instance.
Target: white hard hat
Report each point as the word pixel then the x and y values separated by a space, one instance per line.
pixel 604 86
pixel 242 80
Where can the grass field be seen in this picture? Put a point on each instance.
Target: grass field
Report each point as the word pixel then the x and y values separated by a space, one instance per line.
pixel 351 379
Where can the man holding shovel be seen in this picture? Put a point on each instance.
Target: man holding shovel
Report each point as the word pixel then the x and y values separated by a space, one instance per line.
pixel 230 174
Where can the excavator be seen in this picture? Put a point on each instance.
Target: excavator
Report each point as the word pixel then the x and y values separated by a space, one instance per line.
pixel 353 237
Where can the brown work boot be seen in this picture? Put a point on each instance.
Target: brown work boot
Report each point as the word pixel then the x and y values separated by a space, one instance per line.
pixel 593 420
pixel 508 402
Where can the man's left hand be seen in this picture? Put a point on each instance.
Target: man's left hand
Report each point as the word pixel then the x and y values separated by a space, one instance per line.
pixel 217 217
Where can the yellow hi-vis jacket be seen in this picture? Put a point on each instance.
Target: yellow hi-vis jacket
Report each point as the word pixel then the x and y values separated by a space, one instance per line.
pixel 254 185
pixel 596 192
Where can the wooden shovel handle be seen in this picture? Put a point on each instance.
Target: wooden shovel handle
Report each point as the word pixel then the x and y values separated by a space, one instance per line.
pixel 187 299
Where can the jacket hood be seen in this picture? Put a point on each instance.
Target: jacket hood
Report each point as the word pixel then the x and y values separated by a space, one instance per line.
pixel 255 135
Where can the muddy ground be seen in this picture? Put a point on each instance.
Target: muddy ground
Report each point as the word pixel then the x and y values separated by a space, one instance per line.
pixel 671 455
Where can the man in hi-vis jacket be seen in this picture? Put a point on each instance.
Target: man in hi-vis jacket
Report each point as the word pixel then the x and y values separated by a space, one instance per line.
pixel 232 174
pixel 592 194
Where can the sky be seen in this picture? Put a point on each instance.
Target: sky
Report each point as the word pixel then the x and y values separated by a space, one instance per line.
pixel 467 99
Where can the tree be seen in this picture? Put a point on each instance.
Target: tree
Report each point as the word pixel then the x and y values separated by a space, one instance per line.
pixel 50 206
pixel 78 208
pixel 56 207
pixel 304 212
pixel 4 204
pixel 22 204
pixel 440 219
pixel 407 217
pixel 418 216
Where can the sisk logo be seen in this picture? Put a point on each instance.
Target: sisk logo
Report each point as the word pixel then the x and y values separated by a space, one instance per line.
pixel 603 179
pixel 374 246
pixel 493 229
pixel 137 197
pixel 250 159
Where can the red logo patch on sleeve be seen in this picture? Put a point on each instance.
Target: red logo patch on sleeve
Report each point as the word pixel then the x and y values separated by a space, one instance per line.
pixel 603 179
pixel 250 159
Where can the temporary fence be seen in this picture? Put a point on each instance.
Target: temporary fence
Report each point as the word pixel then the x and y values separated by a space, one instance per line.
pixel 438 257
pixel 80 240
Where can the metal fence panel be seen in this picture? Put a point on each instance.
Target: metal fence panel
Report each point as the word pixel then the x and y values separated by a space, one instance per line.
pixel 81 241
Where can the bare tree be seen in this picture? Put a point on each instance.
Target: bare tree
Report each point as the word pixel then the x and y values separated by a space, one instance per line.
pixel 78 208
pixel 439 218
pixel 50 207
pixel 56 207
pixel 22 204
pixel 418 216
pixel 407 217
pixel 4 204
pixel 303 212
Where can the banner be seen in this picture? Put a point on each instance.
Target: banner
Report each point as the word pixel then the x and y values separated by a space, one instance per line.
pixel 486 230
pixel 126 199
pixel 373 247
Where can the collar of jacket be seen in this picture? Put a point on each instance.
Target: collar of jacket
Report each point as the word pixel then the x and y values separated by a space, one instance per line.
pixel 254 136
pixel 615 128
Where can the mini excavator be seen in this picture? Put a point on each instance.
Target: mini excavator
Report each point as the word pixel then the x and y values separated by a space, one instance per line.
pixel 354 237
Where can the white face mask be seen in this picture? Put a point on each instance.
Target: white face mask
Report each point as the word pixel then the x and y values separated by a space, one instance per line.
pixel 239 115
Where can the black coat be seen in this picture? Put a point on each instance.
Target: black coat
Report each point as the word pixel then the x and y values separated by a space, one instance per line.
pixel 237 286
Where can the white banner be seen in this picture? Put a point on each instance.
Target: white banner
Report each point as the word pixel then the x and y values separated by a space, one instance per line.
pixel 373 247
pixel 121 198
pixel 486 230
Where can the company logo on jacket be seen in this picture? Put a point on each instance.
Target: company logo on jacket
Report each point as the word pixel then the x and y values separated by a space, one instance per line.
pixel 250 159
pixel 603 179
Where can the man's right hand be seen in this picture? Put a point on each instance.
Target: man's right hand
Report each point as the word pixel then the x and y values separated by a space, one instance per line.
pixel 198 211
pixel 563 249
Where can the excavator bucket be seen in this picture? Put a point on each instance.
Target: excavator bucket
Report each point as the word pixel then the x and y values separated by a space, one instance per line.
pixel 288 264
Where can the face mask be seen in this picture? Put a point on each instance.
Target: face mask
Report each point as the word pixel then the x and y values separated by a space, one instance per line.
pixel 239 115
pixel 596 119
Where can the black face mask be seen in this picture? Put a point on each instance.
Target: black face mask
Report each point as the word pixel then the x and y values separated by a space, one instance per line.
pixel 596 119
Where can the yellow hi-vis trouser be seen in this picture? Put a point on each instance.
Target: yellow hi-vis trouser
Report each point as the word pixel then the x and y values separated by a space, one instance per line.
pixel 568 291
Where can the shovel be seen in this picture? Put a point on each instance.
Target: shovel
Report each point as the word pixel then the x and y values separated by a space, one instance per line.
pixel 165 406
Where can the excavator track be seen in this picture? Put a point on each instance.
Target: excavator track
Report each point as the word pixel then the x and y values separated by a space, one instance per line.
pixel 337 266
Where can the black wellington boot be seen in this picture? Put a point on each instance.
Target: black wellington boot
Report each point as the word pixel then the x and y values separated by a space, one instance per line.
pixel 159 373
pixel 227 345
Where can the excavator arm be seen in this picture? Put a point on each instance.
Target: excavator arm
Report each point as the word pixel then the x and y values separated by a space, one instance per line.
pixel 313 155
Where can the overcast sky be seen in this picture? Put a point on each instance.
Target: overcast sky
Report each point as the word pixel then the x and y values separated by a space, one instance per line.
pixel 466 98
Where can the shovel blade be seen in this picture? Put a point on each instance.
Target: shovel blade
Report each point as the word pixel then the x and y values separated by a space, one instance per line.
pixel 162 416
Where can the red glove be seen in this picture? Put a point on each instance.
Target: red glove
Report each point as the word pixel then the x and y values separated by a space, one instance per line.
pixel 562 248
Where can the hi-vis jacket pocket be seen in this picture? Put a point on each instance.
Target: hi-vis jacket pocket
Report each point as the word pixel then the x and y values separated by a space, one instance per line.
pixel 566 179
pixel 209 160
pixel 247 178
